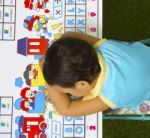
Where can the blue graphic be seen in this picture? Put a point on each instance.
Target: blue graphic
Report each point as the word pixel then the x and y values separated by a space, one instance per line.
pixel 81 10
pixel 79 118
pixel 6 14
pixel 69 130
pixel 17 133
pixel 56 132
pixel 80 1
pixel 80 30
pixel 71 10
pixel 68 118
pixel 79 130
pixel 81 22
pixel 70 1
pixel 70 21
pixel 38 57
pixel 17 103
pixel 18 82
pixel 41 88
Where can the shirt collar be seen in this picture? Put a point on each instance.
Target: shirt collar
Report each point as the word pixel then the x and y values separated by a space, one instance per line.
pixel 100 81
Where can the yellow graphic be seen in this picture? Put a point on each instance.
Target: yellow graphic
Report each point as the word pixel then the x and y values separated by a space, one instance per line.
pixel 61 29
pixel 55 26
pixel 42 19
pixel 55 111
pixel 37 76
pixel 36 27
pixel 57 36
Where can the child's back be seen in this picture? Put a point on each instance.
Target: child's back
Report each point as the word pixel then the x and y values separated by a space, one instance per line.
pixel 127 79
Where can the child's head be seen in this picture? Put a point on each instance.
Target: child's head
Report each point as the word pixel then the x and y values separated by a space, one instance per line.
pixel 71 62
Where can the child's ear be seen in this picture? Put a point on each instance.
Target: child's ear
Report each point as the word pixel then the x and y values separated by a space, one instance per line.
pixel 82 85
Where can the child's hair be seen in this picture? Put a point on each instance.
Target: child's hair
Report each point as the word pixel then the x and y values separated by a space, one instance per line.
pixel 69 60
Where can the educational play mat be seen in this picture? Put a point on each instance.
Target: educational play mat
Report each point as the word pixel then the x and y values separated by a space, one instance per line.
pixel 27 27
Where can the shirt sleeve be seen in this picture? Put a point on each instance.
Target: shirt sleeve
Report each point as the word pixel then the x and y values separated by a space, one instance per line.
pixel 99 43
pixel 97 90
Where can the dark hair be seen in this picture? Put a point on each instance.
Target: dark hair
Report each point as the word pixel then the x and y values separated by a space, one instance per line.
pixel 26 74
pixel 69 60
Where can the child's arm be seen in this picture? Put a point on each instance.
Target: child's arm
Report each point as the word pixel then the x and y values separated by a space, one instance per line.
pixel 88 38
pixel 68 107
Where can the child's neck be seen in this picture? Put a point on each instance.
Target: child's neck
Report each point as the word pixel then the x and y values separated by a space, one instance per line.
pixel 95 81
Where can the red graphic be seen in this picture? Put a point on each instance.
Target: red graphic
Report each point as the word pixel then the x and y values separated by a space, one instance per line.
pixel 92 14
pixel 93 29
pixel 32 46
pixel 92 127
pixel 28 97
pixel 31 4
pixel 37 46
pixel 31 127
pixel 31 22
pixel 26 93
pixel 38 24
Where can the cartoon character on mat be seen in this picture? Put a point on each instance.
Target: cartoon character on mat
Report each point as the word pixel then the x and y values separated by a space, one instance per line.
pixel 31 101
pixel 38 24
pixel 27 94
pixel 36 5
pixel 34 76
pixel 29 21
pixel 31 127
pixel 29 98
pixel 26 105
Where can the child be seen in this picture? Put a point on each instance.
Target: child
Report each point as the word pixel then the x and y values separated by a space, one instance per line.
pixel 102 73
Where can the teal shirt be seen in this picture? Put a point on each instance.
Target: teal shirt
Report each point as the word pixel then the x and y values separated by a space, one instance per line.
pixel 127 79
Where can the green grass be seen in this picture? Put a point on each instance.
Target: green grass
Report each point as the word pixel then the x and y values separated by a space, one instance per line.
pixel 126 129
pixel 126 20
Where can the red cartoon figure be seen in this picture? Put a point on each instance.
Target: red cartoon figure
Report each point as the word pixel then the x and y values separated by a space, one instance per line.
pixel 26 105
pixel 37 24
pixel 29 98
pixel 27 94
pixel 31 101
pixel 37 5
pixel 31 127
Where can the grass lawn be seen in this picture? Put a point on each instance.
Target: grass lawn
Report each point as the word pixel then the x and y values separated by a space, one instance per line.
pixel 126 20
